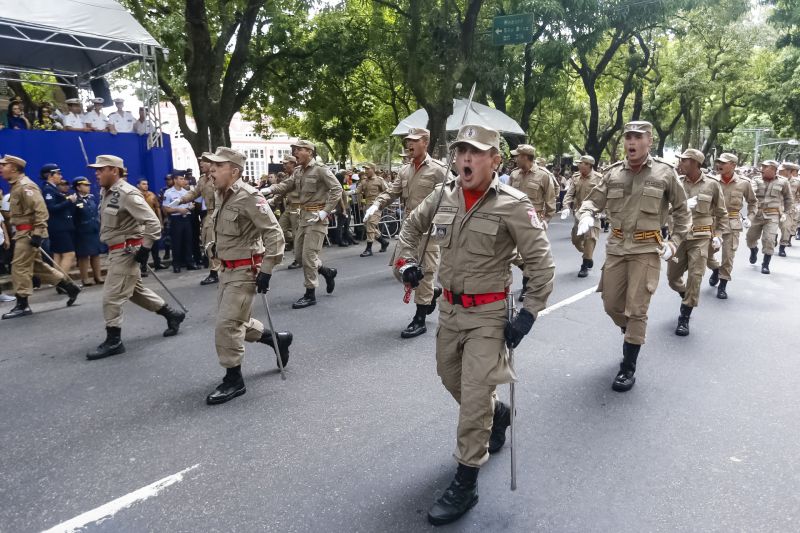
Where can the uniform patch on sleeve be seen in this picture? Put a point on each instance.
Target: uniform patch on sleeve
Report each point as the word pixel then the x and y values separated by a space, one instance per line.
pixel 534 216
pixel 28 192
pixel 263 205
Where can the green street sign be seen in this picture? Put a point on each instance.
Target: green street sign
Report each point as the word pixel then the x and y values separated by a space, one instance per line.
pixel 512 29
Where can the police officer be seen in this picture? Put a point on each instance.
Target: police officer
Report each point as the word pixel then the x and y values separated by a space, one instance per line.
pixel 248 242
pixel 478 226
pixel 129 227
pixel 367 191
pixel 789 170
pixel 636 192
pixel 61 211
pixel 290 213
pixel 319 194
pixel 87 231
pixel 581 183
pixel 775 204
pixel 180 223
pixel 737 190
pixel 414 183
pixel 709 223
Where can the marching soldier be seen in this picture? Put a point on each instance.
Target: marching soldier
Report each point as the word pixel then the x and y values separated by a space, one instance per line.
pixel 775 204
pixel 636 192
pixel 367 191
pixel 130 228
pixel 580 185
pixel 789 171
pixel 28 214
pixel 480 225
pixel 290 214
pixel 319 193
pixel 709 223
pixel 415 181
pixel 736 190
pixel 248 242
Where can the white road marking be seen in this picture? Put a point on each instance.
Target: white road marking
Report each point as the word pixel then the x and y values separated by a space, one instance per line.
pixel 572 299
pixel 108 510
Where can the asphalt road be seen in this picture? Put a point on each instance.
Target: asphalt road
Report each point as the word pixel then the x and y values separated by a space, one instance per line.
pixel 360 436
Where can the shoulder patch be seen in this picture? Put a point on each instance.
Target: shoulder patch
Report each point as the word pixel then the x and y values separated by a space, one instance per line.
pixel 534 218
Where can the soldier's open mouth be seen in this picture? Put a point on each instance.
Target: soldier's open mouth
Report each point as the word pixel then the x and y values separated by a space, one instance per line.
pixel 467 172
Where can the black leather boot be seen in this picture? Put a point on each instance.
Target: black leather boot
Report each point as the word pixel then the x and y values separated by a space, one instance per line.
pixel 721 293
pixel 584 271
pixel 111 346
pixel 143 272
pixel 782 250
pixel 212 278
pixel 232 386
pixel 284 341
pixel 683 321
pixel 460 497
pixel 71 289
pixel 21 308
pixel 294 265
pixel 308 299
pixel 625 379
pixel 500 422
pixel 765 264
pixel 714 279
pixel 589 263
pixel 174 319
pixel 330 278
pixel 524 287
pixel 384 243
pixel 753 255
pixel 437 292
pixel 367 251
pixel 417 326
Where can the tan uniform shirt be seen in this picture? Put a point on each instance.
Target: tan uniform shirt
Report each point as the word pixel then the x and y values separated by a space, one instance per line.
pixel 794 187
pixel 540 186
pixel 317 187
pixel 368 188
pixel 26 206
pixel 244 226
pixel 478 246
pixel 636 204
pixel 204 188
pixel 579 189
pixel 412 185
pixel 710 215
pixel 774 197
pixel 124 215
pixel 736 192
pixel 152 200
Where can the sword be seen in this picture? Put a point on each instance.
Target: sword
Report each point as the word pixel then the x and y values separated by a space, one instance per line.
pixel 511 312
pixel 153 272
pixel 274 336
pixel 56 265
pixel 83 149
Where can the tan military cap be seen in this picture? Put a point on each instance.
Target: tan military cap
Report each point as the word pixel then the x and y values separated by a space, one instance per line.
pixel 639 126
pixel 691 153
pixel 289 159
pixel 302 143
pixel 790 165
pixel 586 159
pixel 8 158
pixel 98 100
pixel 727 157
pixel 108 161
pixel 541 161
pixel 72 101
pixel 480 137
pixel 204 156
pixel 227 155
pixel 770 163
pixel 417 133
pixel 369 165
pixel 525 149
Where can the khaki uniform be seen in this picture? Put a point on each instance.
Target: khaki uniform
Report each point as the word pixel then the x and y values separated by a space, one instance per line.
pixel 368 190
pixel 774 199
pixel 540 186
pixel 28 213
pixel 477 248
pixel 290 214
pixel 205 188
pixel 578 191
pixel 636 203
pixel 736 193
pixel 125 216
pixel 789 226
pixel 412 186
pixel 319 191
pixel 709 219
pixel 245 231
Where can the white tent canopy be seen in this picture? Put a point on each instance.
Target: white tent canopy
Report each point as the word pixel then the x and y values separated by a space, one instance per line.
pixel 477 114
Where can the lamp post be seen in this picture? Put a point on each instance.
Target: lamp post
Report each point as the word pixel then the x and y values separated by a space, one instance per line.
pixel 790 142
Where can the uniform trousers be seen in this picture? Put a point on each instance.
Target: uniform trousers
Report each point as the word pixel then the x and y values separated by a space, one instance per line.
pixel 585 243
pixel 627 282
pixel 234 324
pixel 730 243
pixel 181 235
pixel 307 246
pixel 124 282
pixel 471 360
pixel 788 228
pixel 27 263
pixel 767 230
pixel 371 225
pixel 690 258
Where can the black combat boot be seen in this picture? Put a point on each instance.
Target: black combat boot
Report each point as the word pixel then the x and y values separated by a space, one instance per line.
pixel 500 422
pixel 174 319
pixel 437 292
pixel 460 497
pixel 584 271
pixel 143 271
pixel 21 308
pixel 212 278
pixel 330 278
pixel 71 289
pixel 721 294
pixel 683 321
pixel 284 341
pixel 765 264
pixel 524 287
pixel 589 263
pixel 625 379
pixel 782 250
pixel 384 243
pixel 753 255
pixel 294 265
pixel 368 251
pixel 417 326
pixel 308 299
pixel 111 346
pixel 714 279
pixel 232 386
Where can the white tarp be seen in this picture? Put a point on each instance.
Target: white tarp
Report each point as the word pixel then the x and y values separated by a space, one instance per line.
pixel 478 114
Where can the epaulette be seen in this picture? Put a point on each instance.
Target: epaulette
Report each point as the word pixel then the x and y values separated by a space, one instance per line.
pixel 664 161
pixel 612 167
pixel 249 189
pixel 511 191
pixel 436 161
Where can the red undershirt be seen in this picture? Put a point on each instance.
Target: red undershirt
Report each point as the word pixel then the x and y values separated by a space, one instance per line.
pixel 727 180
pixel 471 197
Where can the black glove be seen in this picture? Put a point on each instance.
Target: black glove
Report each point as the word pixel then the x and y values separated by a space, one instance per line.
pixel 141 256
pixel 412 274
pixel 36 241
pixel 262 282
pixel 518 328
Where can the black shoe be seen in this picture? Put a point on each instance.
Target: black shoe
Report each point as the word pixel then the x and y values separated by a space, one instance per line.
pixel 330 278
pixel 21 308
pixel 384 244
pixel 683 321
pixel 368 251
pixel 212 278
pixel 721 294
pixel 70 289
pixel 143 272
pixel 174 319
pixel 625 379
pixel 294 265
pixel 176 270
pixel 232 386
pixel 714 279
pixel 584 271
pixel 308 299
pixel 60 291
pixel 460 497
pixel 500 422
pixel 524 288
pixel 782 250
pixel 284 341
pixel 111 346
pixel 417 326
pixel 166 255
pixel 765 264
pixel 753 255
pixel 437 292
pixel 192 267
pixel 159 266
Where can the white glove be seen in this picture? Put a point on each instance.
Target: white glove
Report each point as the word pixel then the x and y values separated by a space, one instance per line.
pixel 746 223
pixel 585 223
pixel 692 202
pixel 565 213
pixel 783 217
pixel 371 210
pixel 666 251
pixel 322 215
pixel 266 191
pixel 175 203
pixel 716 242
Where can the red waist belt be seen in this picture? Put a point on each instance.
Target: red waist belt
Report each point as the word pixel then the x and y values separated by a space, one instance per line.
pixel 471 300
pixel 129 242
pixel 250 261
pixel 24 227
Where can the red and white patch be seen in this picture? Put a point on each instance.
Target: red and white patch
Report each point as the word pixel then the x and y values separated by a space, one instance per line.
pixel 263 205
pixel 28 192
pixel 534 216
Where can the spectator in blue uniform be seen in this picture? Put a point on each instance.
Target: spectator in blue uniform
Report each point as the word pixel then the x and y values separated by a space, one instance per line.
pixel 180 223
pixel 60 225
pixel 87 232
